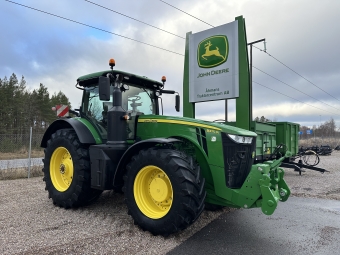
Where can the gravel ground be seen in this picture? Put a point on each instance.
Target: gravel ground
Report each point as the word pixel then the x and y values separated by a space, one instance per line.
pixel 315 184
pixel 31 224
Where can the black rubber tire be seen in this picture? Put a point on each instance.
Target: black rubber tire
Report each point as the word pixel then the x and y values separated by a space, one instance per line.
pixel 79 192
pixel 187 185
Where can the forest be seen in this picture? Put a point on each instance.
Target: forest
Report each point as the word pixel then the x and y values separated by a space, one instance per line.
pixel 22 108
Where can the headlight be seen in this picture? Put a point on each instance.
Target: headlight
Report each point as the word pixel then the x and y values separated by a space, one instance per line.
pixel 241 139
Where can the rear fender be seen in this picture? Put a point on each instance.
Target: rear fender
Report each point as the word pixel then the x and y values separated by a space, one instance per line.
pixel 83 132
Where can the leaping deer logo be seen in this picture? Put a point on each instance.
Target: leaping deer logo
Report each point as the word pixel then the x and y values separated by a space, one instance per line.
pixel 209 52
pixel 212 51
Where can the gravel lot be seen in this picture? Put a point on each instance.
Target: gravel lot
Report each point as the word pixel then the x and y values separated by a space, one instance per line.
pixel 31 224
pixel 315 184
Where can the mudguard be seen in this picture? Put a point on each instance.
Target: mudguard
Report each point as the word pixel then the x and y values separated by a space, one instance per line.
pixel 132 150
pixel 84 134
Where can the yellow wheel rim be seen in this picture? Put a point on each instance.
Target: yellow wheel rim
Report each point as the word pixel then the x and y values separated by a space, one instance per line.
pixel 153 192
pixel 61 169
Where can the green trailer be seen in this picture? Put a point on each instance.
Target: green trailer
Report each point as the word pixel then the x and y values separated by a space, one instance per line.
pixel 274 139
pixel 287 133
pixel 266 140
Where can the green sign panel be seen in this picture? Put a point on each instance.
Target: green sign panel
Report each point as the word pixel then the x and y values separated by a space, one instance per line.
pixel 212 51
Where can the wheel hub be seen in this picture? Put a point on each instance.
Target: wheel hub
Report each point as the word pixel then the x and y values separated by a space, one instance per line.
pixel 62 168
pixel 159 190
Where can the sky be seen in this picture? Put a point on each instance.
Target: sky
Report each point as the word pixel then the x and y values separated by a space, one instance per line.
pixel 301 34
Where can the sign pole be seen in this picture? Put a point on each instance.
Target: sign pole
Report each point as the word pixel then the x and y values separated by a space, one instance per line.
pixel 216 67
pixel 188 108
pixel 243 106
pixel 226 111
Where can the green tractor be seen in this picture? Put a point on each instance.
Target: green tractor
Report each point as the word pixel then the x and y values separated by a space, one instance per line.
pixel 170 168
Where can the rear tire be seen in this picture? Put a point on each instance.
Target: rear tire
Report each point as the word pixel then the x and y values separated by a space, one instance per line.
pixel 164 190
pixel 67 170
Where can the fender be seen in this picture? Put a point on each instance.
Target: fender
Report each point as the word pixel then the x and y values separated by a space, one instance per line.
pixel 132 150
pixel 84 134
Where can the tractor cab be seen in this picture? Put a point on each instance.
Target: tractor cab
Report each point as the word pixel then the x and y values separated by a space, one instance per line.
pixel 136 101
pixel 139 96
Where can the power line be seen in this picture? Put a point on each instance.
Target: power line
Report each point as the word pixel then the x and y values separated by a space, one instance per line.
pixel 265 51
pixel 103 30
pixel 296 73
pixel 294 98
pixel 186 13
pixel 294 88
pixel 100 29
pixel 134 19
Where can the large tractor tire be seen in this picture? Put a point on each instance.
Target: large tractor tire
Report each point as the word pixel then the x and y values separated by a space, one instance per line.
pixel 67 170
pixel 164 190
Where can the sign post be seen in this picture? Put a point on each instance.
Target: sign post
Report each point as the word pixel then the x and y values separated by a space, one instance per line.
pixel 213 64
pixel 216 67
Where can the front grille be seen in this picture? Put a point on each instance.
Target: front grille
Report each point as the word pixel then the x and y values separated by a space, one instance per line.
pixel 237 161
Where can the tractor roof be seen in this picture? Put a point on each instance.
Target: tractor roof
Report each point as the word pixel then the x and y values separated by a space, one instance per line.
pixel 91 79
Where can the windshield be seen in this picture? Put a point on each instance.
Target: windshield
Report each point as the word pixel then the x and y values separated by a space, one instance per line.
pixel 136 101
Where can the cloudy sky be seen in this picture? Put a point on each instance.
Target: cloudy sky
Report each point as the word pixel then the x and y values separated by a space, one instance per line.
pixel 302 34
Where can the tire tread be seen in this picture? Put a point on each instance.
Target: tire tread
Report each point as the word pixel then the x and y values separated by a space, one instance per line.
pixel 81 193
pixel 192 192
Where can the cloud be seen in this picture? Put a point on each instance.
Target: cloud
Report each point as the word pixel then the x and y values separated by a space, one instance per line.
pixel 55 52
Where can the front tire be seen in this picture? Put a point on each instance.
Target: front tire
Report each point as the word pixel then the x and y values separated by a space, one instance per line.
pixel 67 170
pixel 164 190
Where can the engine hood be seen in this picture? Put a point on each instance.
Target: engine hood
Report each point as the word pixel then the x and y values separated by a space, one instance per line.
pixel 196 123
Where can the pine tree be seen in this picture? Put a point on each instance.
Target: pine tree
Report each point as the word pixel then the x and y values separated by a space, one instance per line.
pixel 21 109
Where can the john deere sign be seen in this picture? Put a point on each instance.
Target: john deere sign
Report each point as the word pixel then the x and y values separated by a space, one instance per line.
pixel 213 64
pixel 212 51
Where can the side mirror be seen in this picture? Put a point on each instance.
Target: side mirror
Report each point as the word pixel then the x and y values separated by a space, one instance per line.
pixel 104 88
pixel 177 106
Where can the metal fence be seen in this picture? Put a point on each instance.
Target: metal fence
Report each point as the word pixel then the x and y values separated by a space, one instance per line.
pixel 20 155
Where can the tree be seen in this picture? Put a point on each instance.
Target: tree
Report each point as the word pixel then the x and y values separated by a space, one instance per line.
pixel 262 119
pixel 21 109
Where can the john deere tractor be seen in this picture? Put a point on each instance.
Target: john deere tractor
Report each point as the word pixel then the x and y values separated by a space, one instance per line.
pixel 169 168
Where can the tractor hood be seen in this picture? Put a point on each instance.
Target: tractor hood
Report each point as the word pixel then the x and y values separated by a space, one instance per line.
pixel 195 123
